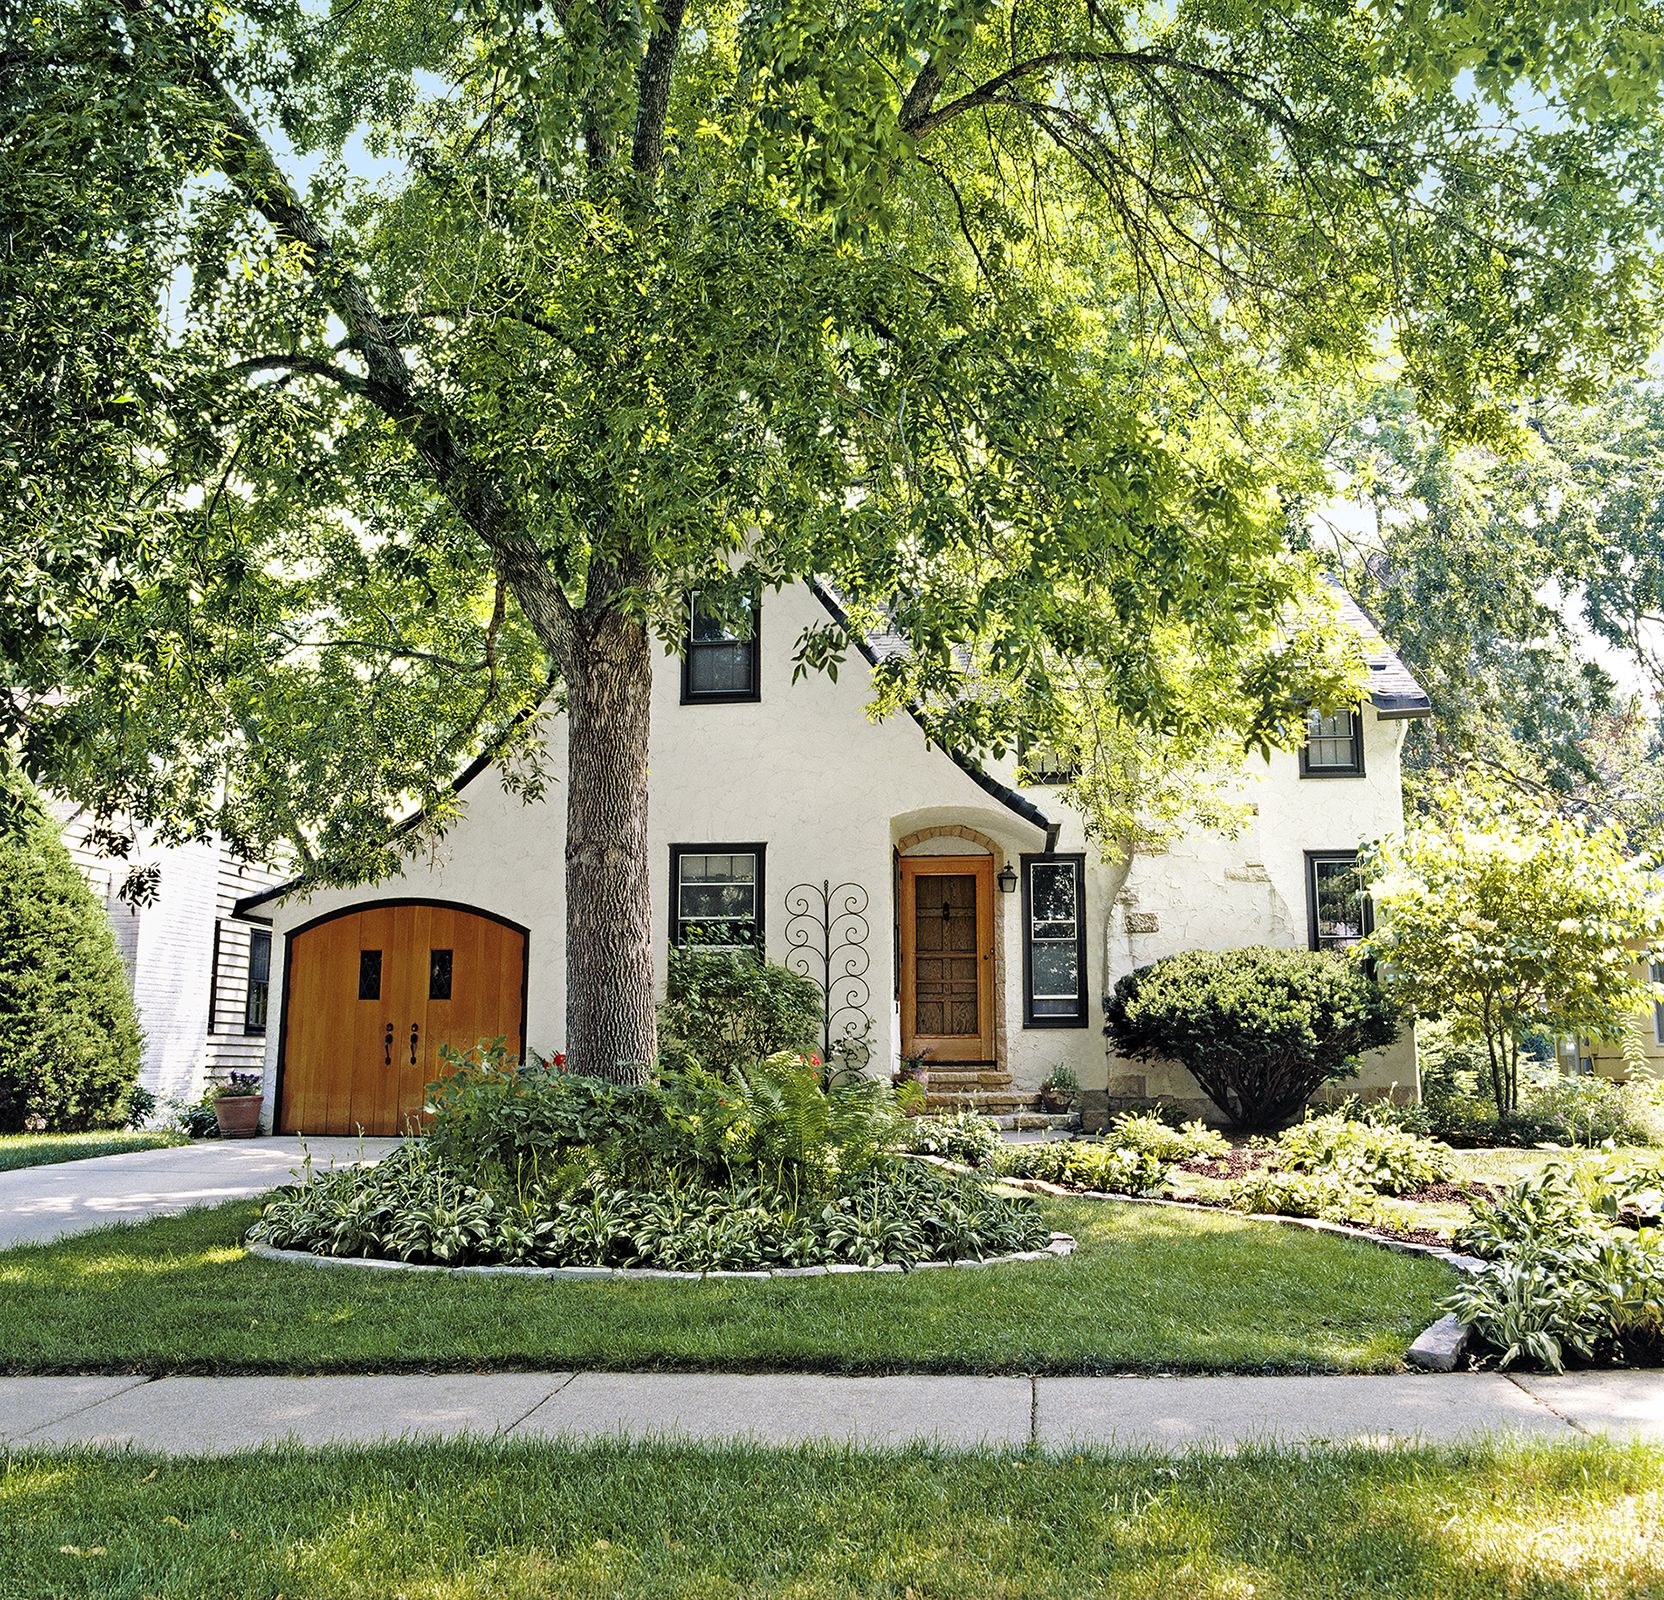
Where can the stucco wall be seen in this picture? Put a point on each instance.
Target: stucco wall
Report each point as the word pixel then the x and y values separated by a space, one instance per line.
pixel 832 794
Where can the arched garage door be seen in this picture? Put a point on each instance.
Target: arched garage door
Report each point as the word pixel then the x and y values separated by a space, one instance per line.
pixel 370 997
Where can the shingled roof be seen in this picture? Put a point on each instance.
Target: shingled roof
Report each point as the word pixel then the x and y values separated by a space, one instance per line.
pixel 1393 690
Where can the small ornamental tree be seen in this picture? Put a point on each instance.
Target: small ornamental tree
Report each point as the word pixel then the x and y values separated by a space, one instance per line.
pixel 1502 920
pixel 1260 1029
pixel 725 1011
pixel 69 1036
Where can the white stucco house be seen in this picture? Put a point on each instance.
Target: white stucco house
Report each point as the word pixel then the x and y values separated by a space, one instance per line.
pixel 963 915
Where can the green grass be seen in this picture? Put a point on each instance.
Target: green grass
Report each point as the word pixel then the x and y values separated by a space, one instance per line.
pixel 47 1149
pixel 1150 1289
pixel 510 1522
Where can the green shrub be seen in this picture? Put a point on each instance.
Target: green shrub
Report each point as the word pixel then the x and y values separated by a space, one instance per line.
pixel 1260 1029
pixel 1085 1164
pixel 413 1206
pixel 1323 1196
pixel 1144 1130
pixel 965 1137
pixel 1363 1155
pixel 1584 1110
pixel 69 1036
pixel 1576 1265
pixel 723 1011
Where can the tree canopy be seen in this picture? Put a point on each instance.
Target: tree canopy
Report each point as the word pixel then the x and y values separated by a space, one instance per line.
pixel 320 477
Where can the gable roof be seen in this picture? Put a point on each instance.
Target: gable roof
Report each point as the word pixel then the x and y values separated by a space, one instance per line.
pixel 1393 690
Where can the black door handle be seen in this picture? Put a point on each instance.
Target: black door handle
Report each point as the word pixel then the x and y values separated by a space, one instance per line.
pixel 414 1030
pixel 387 1047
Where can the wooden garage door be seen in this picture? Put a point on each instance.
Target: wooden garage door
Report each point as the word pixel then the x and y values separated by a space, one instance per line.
pixel 371 997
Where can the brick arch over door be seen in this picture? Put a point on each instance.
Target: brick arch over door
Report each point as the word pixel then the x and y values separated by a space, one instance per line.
pixel 922 836
pixel 374 992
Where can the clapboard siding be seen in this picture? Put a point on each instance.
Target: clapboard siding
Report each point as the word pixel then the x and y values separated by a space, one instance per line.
pixel 231 1047
pixel 186 955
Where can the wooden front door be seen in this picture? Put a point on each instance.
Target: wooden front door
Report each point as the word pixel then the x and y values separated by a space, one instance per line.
pixel 370 999
pixel 947 957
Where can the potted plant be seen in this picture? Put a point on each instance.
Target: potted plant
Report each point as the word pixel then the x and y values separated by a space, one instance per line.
pixel 237 1106
pixel 913 1070
pixel 1059 1090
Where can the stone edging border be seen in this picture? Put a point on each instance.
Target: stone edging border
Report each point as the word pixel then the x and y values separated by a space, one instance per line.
pixel 1062 1244
pixel 1437 1348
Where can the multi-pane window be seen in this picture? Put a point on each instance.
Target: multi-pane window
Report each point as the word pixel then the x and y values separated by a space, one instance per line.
pixel 259 980
pixel 1336 901
pixel 716 895
pixel 1334 745
pixel 1054 941
pixel 1041 763
pixel 719 658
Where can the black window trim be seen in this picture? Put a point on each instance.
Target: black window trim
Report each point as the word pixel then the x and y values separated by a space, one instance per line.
pixel 1313 857
pixel 745 697
pixel 754 848
pixel 1076 859
pixel 256 1029
pixel 1033 780
pixel 1353 769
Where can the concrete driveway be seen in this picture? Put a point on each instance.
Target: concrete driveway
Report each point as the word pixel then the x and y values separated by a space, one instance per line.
pixel 39 1203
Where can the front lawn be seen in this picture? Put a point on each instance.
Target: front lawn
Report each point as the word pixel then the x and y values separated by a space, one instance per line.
pixel 47 1149
pixel 1149 1289
pixel 509 1522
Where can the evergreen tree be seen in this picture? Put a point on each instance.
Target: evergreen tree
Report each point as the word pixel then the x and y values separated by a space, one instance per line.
pixel 69 1035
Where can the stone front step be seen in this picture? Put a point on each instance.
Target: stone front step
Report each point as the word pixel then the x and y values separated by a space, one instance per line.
pixel 991 1102
pixel 1038 1122
pixel 960 1078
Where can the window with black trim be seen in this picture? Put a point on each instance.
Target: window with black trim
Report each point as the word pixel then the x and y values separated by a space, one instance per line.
pixel 1041 763
pixel 719 656
pixel 259 980
pixel 1337 904
pixel 716 896
pixel 1334 746
pixel 1054 941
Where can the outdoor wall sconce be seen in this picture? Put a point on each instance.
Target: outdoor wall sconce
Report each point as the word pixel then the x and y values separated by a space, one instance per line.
pixel 1008 879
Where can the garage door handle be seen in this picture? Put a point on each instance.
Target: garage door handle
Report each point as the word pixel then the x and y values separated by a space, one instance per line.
pixel 387 1047
pixel 414 1030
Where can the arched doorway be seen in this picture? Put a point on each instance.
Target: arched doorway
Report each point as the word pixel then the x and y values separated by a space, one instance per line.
pixel 372 994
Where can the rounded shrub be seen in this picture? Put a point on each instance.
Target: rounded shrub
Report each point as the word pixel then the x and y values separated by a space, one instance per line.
pixel 69 1035
pixel 1260 1029
pixel 723 1011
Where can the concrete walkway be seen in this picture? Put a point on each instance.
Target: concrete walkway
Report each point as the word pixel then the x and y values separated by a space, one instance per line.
pixel 204 1416
pixel 39 1203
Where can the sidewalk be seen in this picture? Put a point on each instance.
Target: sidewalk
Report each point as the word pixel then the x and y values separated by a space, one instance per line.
pixel 41 1203
pixel 204 1416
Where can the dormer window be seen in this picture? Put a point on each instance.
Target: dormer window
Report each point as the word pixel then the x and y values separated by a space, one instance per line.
pixel 719 655
pixel 1334 745
pixel 1041 764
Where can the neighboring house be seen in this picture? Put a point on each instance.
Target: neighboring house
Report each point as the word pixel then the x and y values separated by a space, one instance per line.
pixel 963 916
pixel 1606 1058
pixel 199 974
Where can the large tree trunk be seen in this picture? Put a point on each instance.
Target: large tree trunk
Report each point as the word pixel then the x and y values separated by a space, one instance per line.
pixel 610 1023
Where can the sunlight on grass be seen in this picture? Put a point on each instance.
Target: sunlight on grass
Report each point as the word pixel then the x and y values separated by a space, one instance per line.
pixel 501 1521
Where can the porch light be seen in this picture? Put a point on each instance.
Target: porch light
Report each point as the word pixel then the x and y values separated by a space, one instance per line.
pixel 1008 879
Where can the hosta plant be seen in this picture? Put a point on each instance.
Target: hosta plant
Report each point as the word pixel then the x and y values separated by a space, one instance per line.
pixel 1324 1197
pixel 965 1137
pixel 1574 1266
pixel 1387 1159
pixel 1144 1130
pixel 1085 1164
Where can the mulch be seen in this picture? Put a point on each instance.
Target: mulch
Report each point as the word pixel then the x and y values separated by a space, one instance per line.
pixel 1234 1164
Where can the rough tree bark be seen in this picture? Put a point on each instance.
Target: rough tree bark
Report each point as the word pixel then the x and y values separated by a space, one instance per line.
pixel 611 1027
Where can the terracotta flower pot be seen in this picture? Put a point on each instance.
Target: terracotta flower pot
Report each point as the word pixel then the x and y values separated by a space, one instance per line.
pixel 238 1115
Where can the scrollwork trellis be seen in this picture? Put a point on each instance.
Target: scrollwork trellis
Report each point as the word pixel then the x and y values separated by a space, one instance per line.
pixel 826 928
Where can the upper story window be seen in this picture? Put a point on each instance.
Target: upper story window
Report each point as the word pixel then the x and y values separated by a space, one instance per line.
pixel 1041 763
pixel 1337 904
pixel 1334 745
pixel 259 980
pixel 716 896
pixel 1054 941
pixel 719 656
